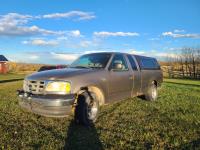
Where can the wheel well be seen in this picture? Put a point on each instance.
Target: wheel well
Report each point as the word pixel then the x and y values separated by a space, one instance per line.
pixel 96 90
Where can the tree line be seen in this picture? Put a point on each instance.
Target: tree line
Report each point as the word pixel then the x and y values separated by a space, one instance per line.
pixel 185 63
pixel 23 67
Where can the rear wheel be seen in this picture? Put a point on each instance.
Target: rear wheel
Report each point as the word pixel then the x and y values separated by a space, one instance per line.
pixel 152 93
pixel 87 109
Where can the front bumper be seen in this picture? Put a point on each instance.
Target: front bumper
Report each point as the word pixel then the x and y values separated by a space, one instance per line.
pixel 47 105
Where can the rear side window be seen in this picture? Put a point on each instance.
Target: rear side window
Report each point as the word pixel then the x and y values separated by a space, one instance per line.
pixel 132 62
pixel 149 63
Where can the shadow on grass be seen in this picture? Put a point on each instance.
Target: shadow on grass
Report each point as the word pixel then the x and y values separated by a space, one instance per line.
pixel 80 137
pixel 195 144
pixel 194 85
pixel 11 80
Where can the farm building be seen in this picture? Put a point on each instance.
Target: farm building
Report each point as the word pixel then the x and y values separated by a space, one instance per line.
pixel 3 64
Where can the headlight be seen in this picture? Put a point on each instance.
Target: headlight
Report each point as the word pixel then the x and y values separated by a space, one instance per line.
pixel 58 87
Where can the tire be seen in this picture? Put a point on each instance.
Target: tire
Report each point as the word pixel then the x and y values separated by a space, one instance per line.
pixel 152 93
pixel 87 109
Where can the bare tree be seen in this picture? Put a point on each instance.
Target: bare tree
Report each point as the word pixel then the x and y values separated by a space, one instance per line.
pixel 186 62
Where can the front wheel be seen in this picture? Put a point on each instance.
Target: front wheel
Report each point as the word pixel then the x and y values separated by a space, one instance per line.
pixel 87 109
pixel 152 93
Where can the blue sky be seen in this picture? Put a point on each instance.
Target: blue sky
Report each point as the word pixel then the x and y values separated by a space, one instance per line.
pixel 57 32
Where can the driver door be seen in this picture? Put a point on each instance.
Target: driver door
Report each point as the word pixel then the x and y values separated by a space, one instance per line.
pixel 120 81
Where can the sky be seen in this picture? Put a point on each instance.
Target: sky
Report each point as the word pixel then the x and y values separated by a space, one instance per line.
pixel 59 31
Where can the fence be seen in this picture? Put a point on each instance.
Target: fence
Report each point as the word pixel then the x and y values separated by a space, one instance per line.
pixel 170 73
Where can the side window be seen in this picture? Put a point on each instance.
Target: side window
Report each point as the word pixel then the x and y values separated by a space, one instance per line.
pixel 132 62
pixel 119 63
pixel 149 63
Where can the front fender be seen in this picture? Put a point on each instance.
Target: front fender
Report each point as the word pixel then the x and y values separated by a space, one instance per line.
pixel 95 87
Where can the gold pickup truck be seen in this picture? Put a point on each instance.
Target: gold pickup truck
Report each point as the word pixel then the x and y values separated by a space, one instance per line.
pixel 89 82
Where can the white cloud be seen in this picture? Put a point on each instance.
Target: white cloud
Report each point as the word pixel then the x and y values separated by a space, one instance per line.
pixel 175 48
pixel 165 55
pixel 64 56
pixel 33 57
pixel 25 57
pixel 14 24
pixel 94 51
pixel 137 52
pixel 85 43
pixel 41 42
pixel 14 18
pixel 75 33
pixel 178 35
pixel 78 43
pixel 154 39
pixel 44 57
pixel 69 34
pixel 178 31
pixel 167 33
pixel 107 34
pixel 62 38
pixel 154 53
pixel 78 15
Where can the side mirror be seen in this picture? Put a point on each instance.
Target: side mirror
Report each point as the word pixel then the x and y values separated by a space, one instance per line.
pixel 117 65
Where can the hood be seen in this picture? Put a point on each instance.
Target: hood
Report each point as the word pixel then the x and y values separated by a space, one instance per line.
pixel 58 74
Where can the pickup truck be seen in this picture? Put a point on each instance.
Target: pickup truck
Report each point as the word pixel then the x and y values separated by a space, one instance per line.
pixel 90 81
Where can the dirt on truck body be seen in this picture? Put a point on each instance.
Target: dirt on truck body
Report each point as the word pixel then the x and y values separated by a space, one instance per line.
pixel 89 82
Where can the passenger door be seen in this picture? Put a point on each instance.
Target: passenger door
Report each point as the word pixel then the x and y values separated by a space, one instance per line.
pixel 120 84
pixel 136 75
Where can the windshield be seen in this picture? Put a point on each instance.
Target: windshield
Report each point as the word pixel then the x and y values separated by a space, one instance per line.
pixel 91 61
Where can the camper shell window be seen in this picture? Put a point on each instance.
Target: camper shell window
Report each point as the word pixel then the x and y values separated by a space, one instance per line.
pixel 147 63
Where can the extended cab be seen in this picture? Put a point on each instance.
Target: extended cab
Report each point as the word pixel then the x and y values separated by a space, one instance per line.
pixel 89 82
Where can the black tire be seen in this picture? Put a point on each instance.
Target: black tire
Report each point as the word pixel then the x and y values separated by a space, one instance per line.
pixel 152 93
pixel 84 110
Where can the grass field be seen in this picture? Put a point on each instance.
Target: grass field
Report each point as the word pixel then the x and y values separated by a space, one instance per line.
pixel 11 77
pixel 173 121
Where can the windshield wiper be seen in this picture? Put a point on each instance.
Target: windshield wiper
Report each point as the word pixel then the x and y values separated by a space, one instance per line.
pixel 87 67
pixel 96 67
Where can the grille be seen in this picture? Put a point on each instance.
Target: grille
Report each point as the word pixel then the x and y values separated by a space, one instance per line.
pixel 34 87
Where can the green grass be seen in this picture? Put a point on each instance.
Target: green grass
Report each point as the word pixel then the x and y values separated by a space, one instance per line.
pixel 173 121
pixel 183 81
pixel 11 76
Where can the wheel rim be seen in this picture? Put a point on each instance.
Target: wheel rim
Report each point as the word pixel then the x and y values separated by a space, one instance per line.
pixel 92 110
pixel 154 92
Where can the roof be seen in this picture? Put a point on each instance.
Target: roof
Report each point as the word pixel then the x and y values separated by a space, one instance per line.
pixel 3 58
pixel 107 52
pixel 120 53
